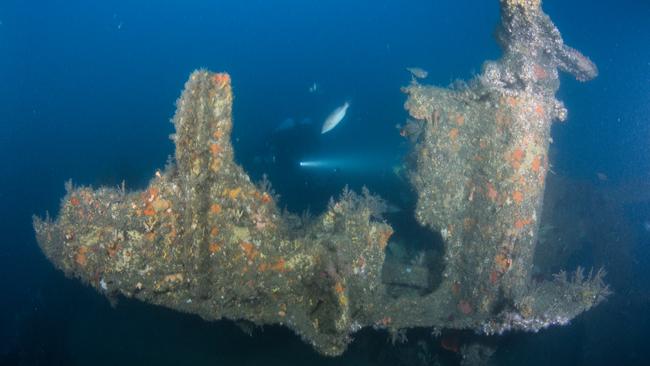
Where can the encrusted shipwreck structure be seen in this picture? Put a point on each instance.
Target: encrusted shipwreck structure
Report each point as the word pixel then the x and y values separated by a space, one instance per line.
pixel 203 239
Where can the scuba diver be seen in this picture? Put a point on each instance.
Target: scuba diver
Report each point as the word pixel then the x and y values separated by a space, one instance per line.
pixel 290 142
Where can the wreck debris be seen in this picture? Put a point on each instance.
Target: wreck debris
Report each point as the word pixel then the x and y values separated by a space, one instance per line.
pixel 203 239
pixel 480 168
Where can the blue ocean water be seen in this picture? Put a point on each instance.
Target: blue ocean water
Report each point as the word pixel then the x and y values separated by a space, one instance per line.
pixel 87 90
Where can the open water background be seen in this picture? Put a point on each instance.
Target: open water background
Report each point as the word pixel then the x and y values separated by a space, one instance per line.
pixel 87 90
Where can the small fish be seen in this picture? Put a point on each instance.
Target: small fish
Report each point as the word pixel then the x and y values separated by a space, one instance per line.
pixel 392 208
pixel 451 343
pixel 305 121
pixel 313 88
pixel 335 118
pixel 287 124
pixel 417 72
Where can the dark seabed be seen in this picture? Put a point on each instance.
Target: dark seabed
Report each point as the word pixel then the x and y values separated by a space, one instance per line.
pixel 87 90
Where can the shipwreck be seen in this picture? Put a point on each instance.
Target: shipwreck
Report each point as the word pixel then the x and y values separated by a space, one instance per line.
pixel 203 239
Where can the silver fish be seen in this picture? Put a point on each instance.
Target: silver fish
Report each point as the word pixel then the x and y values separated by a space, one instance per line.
pixel 417 72
pixel 334 118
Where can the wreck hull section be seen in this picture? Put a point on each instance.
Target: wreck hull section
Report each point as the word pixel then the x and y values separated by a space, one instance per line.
pixel 203 239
